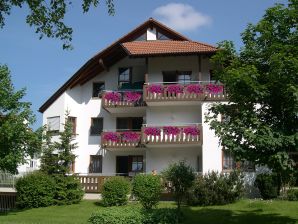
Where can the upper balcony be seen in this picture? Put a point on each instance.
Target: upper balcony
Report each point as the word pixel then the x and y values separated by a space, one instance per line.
pixel 192 93
pixel 124 102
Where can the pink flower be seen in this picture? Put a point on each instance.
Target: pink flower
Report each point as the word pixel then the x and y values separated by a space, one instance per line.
pixel 170 130
pixel 111 136
pixel 152 131
pixel 132 97
pixel 191 130
pixel 175 88
pixel 154 88
pixel 114 97
pixel 130 136
pixel 214 88
pixel 194 88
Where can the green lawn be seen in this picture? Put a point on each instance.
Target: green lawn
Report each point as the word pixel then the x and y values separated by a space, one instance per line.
pixel 245 211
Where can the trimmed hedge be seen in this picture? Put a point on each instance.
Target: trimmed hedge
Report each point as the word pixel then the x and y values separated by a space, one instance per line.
pixel 267 183
pixel 134 215
pixel 115 191
pixel 35 190
pixel 216 189
pixel 147 189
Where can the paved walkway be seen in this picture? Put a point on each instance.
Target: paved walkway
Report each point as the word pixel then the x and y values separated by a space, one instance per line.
pixel 92 196
pixel 7 189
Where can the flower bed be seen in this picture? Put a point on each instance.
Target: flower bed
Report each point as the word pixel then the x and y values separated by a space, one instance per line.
pixel 111 136
pixel 113 97
pixel 214 88
pixel 150 131
pixel 132 97
pixel 175 89
pixel 130 136
pixel 191 130
pixel 155 88
pixel 170 130
pixel 195 88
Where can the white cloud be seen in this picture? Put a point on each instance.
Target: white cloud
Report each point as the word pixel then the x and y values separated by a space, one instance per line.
pixel 181 16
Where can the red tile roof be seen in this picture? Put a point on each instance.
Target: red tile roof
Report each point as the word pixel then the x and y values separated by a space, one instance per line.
pixel 166 47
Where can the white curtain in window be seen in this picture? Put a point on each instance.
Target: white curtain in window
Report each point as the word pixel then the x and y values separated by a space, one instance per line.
pixel 53 123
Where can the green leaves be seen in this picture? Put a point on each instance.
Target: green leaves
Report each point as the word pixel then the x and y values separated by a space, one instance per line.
pixel 17 140
pixel 47 17
pixel 262 83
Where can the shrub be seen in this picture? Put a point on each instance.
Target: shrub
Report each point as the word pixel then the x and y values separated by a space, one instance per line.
pixel 115 191
pixel 292 195
pixel 134 216
pixel 181 177
pixel 35 190
pixel 216 189
pixel 267 185
pixel 147 189
pixel 68 190
pixel 117 216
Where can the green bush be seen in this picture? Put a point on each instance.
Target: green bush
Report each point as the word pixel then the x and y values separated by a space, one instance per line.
pixel 35 190
pixel 117 216
pixel 115 191
pixel 292 195
pixel 134 216
pixel 68 190
pixel 216 189
pixel 147 189
pixel 181 177
pixel 267 185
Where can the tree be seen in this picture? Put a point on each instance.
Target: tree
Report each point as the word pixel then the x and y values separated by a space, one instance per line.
pixel 47 16
pixel 260 122
pixel 17 140
pixel 58 156
pixel 181 177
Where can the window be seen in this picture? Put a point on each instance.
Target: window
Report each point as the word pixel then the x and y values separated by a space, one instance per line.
pixel 73 121
pixel 95 165
pixel 143 37
pixel 184 77
pixel 161 36
pixel 228 162
pixel 132 123
pixel 212 78
pixel 96 125
pixel 53 124
pixel 124 78
pixel 98 88
pixel 137 163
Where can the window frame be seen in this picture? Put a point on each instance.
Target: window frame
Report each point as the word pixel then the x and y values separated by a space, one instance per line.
pixel 74 124
pixel 56 131
pixel 100 94
pixel 184 73
pixel 91 125
pixel 140 159
pixel 124 81
pixel 91 162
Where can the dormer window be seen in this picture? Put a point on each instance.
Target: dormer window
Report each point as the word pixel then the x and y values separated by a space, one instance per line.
pixel 161 36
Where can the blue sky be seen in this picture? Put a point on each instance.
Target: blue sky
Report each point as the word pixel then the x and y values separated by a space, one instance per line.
pixel 42 66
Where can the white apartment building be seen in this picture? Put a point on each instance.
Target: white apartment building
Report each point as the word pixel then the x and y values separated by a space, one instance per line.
pixel 140 104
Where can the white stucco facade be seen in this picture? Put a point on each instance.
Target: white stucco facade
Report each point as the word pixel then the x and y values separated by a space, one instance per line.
pixel 78 101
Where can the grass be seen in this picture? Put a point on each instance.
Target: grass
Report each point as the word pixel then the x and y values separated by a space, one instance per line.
pixel 243 212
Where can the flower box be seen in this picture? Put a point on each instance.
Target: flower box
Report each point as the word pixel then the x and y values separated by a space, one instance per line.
pixel 195 88
pixel 155 88
pixel 111 136
pixel 150 131
pixel 214 88
pixel 132 97
pixel 131 137
pixel 113 97
pixel 170 130
pixel 174 89
pixel 191 130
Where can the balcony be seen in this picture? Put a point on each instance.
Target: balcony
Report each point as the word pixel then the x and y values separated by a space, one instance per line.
pixel 153 136
pixel 186 135
pixel 193 93
pixel 124 103
pixel 121 140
